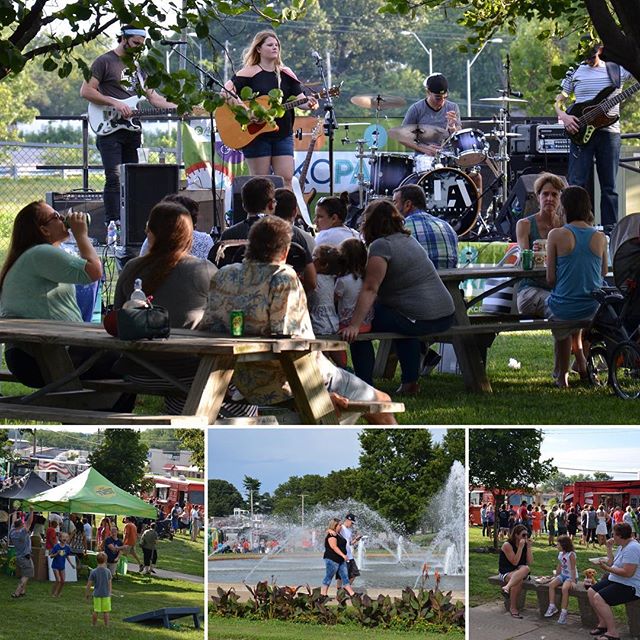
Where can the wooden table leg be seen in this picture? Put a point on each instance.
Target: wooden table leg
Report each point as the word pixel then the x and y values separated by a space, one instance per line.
pixel 468 352
pixel 209 387
pixel 55 362
pixel 309 393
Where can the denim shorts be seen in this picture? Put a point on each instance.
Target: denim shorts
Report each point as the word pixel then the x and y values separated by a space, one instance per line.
pixel 266 148
pixel 563 578
pixel 333 568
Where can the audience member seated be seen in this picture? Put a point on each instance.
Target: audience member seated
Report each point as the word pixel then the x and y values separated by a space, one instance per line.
pixel 437 236
pixel 287 209
pixel 177 281
pixel 202 242
pixel 38 281
pixel 403 286
pixel 273 299
pixel 331 212
pixel 576 265
pixel 532 293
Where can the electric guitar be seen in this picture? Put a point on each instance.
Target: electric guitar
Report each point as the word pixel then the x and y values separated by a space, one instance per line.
pixel 104 119
pixel 235 136
pixel 592 114
pixel 315 134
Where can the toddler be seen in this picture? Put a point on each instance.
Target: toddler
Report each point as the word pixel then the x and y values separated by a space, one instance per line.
pixel 100 578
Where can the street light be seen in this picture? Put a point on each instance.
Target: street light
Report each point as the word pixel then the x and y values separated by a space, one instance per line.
pixel 423 45
pixel 470 64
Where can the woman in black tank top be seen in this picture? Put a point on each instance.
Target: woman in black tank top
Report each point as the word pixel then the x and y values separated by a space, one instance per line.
pixel 513 565
pixel 263 71
pixel 335 558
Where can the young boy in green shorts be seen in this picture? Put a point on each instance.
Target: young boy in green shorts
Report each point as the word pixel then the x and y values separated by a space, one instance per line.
pixel 100 578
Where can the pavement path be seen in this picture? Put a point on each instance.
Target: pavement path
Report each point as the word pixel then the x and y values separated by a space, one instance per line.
pixel 491 622
pixel 162 573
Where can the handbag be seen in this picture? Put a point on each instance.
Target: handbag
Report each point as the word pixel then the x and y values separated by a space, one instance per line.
pixel 140 323
pixel 503 300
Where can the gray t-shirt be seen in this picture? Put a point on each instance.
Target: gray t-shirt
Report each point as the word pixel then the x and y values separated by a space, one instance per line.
pixel 21 540
pixel 421 113
pixel 629 554
pixel 184 292
pixel 114 78
pixel 411 285
pixel 100 577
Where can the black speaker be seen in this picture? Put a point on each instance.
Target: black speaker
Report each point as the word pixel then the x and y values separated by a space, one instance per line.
pixel 239 214
pixel 90 202
pixel 141 187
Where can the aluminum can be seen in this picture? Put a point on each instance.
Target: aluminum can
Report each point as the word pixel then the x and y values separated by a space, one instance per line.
pixel 87 217
pixel 236 322
pixel 527 259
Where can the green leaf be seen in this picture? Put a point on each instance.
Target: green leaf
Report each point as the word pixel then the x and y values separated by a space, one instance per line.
pixel 49 64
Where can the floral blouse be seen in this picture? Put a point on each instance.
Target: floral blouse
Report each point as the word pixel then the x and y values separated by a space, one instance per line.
pixel 274 303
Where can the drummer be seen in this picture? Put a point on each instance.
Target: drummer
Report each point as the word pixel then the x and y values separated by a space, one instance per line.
pixel 434 110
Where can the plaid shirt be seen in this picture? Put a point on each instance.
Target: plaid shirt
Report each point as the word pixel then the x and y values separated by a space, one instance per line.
pixel 437 237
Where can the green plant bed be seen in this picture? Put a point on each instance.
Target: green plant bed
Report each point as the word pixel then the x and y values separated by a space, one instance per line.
pixel 238 629
pixel 545 559
pixel 71 613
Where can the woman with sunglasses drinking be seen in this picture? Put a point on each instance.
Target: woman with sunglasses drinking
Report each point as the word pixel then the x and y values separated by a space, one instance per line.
pixel 38 278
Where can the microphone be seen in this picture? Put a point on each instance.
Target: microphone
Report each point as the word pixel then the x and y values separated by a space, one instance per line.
pixel 315 55
pixel 517 94
pixel 172 42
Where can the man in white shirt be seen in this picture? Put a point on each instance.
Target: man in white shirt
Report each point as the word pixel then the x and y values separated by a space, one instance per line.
pixel 347 533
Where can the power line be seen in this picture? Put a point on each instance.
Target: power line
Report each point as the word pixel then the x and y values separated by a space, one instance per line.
pixel 599 471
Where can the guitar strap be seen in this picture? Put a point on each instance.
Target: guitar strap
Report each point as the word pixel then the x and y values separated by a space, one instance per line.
pixel 613 71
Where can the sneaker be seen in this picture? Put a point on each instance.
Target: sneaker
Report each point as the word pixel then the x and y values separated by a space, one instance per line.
pixel 563 617
pixel 551 611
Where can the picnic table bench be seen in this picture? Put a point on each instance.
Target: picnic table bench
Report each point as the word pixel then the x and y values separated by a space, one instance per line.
pixel 67 398
pixel 471 335
pixel 588 617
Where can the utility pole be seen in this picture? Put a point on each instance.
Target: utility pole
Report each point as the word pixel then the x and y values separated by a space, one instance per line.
pixel 303 496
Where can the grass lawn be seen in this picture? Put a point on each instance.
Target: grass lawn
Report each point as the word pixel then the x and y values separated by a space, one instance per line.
pixel 180 554
pixel 545 557
pixel 70 615
pixel 240 629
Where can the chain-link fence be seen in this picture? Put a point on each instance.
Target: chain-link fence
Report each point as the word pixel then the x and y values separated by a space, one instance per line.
pixel 30 170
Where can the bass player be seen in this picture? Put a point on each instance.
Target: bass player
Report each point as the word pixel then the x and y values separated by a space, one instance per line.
pixel 110 82
pixel 586 82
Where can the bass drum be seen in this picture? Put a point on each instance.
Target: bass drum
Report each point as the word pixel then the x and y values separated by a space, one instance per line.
pixel 388 171
pixel 451 195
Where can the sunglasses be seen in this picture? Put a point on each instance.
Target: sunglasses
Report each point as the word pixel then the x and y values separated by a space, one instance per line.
pixel 55 216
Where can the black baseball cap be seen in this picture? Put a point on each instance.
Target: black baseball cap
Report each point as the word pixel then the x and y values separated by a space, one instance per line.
pixel 350 516
pixel 436 83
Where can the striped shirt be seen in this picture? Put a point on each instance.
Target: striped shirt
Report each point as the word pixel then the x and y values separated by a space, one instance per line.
pixel 436 236
pixel 586 82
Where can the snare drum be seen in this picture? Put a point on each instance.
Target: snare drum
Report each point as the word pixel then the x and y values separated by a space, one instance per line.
pixel 468 147
pixel 388 171
pixel 451 195
pixel 423 163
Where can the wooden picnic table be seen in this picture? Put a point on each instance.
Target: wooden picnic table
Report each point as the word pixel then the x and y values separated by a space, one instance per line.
pixel 66 399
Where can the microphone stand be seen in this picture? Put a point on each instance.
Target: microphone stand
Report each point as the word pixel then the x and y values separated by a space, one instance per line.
pixel 210 84
pixel 330 123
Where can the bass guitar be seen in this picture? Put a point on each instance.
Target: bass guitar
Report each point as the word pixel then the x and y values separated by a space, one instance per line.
pixel 593 114
pixel 104 119
pixel 308 196
pixel 235 136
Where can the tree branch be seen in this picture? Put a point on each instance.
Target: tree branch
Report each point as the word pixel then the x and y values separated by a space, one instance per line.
pixel 29 27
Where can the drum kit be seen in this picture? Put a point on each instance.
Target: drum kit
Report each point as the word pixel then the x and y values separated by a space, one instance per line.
pixel 449 178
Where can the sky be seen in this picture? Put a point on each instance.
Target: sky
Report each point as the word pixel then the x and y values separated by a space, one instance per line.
pixel 600 449
pixel 274 455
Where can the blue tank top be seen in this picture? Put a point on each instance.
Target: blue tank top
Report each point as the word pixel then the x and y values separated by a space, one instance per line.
pixel 534 234
pixel 577 275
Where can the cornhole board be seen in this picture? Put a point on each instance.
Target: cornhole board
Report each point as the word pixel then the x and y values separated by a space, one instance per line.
pixel 164 616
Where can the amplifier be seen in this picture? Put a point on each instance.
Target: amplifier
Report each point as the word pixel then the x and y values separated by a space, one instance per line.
pixel 90 202
pixel 551 139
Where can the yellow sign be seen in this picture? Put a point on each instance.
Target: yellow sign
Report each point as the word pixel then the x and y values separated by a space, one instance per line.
pixel 104 491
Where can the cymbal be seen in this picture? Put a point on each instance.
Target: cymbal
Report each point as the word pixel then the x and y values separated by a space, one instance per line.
pixel 378 101
pixel 494 121
pixel 504 135
pixel 418 134
pixel 503 99
pixel 354 124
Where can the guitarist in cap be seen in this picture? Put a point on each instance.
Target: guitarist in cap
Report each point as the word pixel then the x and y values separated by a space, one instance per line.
pixel 112 81
pixel 586 82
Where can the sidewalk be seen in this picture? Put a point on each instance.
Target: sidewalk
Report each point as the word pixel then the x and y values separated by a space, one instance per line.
pixel 491 622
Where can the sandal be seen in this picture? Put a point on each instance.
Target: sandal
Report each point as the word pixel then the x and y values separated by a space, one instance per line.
pixel 506 595
pixel 598 631
pixel 516 615
pixel 606 636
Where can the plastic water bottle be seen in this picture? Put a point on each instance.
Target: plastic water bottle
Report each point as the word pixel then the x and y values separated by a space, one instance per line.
pixel 112 234
pixel 138 297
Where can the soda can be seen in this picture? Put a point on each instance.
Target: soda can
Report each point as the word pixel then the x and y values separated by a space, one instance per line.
pixel 527 259
pixel 86 215
pixel 236 322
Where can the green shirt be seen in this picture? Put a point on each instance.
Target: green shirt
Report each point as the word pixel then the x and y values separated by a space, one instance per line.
pixel 40 285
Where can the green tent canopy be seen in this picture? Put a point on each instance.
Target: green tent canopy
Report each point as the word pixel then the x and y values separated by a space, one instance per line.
pixel 91 492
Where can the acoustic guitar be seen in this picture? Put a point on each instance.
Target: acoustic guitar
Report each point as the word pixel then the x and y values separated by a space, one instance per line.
pixel 236 136
pixel 592 114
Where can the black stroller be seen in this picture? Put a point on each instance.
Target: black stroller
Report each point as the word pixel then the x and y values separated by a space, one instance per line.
pixel 614 334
